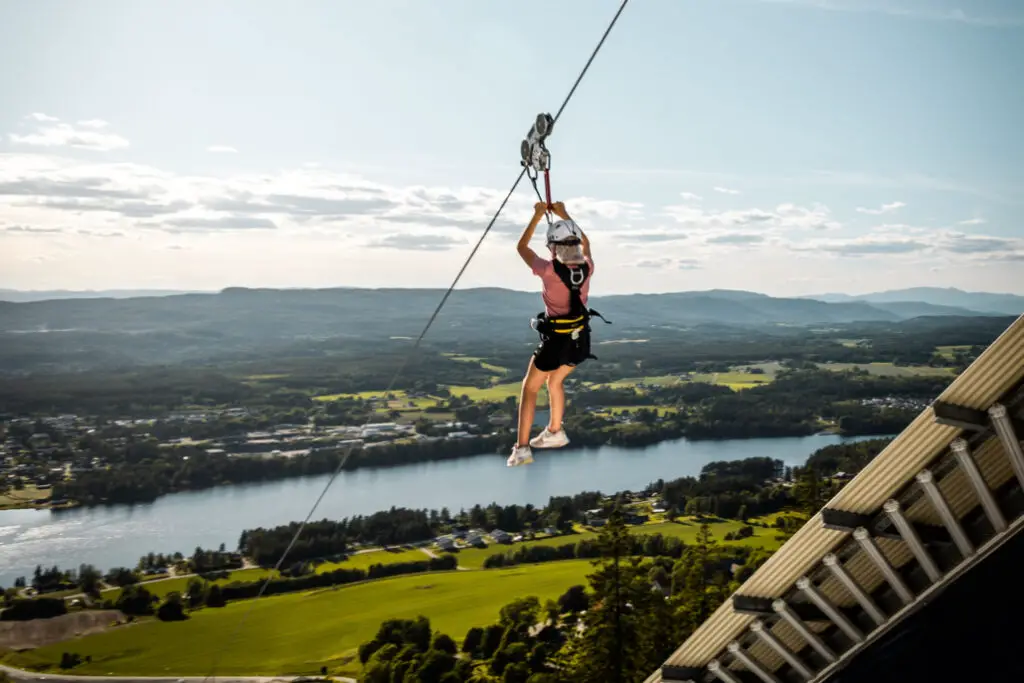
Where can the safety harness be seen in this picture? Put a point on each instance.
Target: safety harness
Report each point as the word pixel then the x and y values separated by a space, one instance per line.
pixel 578 317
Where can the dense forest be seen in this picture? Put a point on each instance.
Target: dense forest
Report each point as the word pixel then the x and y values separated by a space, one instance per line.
pixel 287 379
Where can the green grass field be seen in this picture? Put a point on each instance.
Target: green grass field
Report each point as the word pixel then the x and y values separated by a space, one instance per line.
pixel 950 351
pixel 361 394
pixel 661 410
pixel 497 393
pixel 735 379
pixel 497 369
pixel 163 587
pixel 297 633
pixel 888 369
pixel 685 528
pixel 366 560
pixel 300 632
pixel 27 497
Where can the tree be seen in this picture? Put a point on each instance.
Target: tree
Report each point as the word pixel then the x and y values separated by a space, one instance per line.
pixel 195 592
pixel 89 580
pixel 473 640
pixel 444 643
pixel 574 600
pixel 172 608
pixel 551 611
pixel 692 573
pixel 215 597
pixel 628 624
pixel 520 614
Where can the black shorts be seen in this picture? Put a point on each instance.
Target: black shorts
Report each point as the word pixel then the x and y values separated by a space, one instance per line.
pixel 556 350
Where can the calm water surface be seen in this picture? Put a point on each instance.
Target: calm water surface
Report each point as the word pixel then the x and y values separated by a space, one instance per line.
pixel 119 535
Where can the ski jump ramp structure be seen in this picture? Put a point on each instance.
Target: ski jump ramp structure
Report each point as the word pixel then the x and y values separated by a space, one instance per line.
pixel 941 499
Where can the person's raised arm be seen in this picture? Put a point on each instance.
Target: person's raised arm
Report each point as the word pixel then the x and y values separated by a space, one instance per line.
pixel 529 255
pixel 558 208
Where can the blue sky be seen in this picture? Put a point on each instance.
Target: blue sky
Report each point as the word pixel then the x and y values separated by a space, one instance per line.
pixel 783 146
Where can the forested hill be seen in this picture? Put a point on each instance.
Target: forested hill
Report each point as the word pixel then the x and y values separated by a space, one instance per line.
pixel 375 312
pixel 239 324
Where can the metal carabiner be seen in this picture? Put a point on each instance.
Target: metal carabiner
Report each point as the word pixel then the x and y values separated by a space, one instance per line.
pixel 572 276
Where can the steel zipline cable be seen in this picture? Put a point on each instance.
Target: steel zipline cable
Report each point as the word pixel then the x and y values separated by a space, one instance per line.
pixel 405 362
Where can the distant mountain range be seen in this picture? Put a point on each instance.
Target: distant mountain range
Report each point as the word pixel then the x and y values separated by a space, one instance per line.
pixel 982 302
pixel 18 295
pixel 324 313
pixel 104 328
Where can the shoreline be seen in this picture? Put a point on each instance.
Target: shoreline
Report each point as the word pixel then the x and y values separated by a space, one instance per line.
pixel 39 504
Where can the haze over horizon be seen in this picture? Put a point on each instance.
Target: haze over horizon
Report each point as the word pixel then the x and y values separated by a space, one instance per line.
pixel 788 147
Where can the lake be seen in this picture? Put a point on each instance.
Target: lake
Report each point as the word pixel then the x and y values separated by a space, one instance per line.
pixel 119 535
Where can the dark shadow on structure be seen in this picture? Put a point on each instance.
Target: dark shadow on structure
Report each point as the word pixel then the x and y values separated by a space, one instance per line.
pixel 971 632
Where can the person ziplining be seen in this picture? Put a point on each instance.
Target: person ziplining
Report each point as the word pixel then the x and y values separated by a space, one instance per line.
pixel 564 325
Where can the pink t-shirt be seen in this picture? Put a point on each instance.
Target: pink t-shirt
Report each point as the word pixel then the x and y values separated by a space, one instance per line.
pixel 553 290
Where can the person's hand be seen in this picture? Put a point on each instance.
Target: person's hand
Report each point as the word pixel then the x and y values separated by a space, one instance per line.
pixel 558 207
pixel 539 208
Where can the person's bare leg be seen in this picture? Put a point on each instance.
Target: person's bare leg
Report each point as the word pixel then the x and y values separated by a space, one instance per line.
pixel 556 397
pixel 532 383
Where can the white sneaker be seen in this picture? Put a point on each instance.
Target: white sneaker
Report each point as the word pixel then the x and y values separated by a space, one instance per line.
pixel 521 455
pixel 548 439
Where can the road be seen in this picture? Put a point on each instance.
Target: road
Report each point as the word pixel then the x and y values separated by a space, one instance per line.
pixel 32 677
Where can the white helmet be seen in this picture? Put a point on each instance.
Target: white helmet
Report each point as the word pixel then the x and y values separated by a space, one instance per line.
pixel 564 231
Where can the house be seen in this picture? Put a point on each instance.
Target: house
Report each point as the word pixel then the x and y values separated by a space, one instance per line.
pixel 591 516
pixel 445 543
pixel 501 536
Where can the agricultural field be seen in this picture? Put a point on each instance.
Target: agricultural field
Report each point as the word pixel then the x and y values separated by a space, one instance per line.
pixel 890 370
pixel 951 351
pixel 298 633
pixel 497 369
pixel 619 410
pixel 738 378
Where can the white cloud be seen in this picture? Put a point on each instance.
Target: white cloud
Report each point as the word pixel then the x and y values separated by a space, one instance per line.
pixel 897 240
pixel 122 196
pixel 49 131
pixel 314 226
pixel 885 208
pixel 221 149
pixel 668 263
pixel 782 218
pixel 973 221
pixel 690 197
pixel 416 242
pixel 725 190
